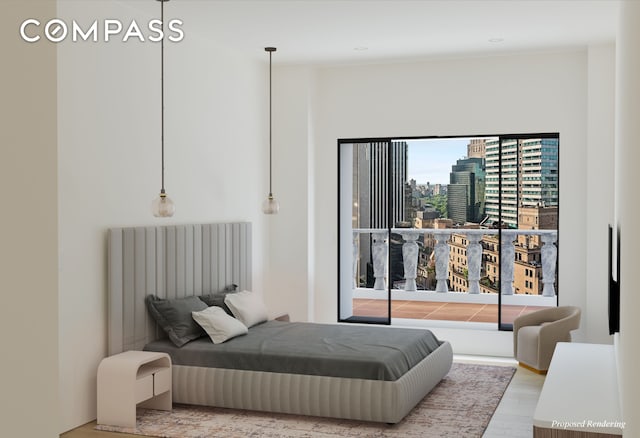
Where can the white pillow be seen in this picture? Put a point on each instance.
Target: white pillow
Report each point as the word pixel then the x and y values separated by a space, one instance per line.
pixel 219 326
pixel 248 307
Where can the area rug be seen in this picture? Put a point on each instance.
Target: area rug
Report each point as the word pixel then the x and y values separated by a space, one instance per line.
pixel 461 405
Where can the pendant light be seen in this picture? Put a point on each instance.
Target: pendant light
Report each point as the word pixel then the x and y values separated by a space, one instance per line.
pixel 162 206
pixel 270 205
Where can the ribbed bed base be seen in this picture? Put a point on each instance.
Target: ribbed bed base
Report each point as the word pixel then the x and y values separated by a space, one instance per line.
pixel 356 399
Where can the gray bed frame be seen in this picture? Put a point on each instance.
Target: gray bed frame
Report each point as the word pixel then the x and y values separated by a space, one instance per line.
pixel 184 260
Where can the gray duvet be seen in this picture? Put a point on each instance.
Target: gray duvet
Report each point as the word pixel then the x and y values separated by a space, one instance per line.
pixel 374 353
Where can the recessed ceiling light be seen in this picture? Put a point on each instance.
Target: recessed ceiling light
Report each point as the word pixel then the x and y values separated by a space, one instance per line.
pixel 496 40
pixel 360 48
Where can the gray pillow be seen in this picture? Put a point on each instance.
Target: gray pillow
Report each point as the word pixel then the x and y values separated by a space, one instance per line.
pixel 174 316
pixel 217 299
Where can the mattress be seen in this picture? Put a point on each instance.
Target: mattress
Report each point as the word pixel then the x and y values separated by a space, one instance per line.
pixel 373 353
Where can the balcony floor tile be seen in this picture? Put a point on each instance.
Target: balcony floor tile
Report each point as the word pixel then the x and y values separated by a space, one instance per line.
pixel 439 311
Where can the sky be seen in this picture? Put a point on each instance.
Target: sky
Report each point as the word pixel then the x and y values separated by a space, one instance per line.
pixel 430 160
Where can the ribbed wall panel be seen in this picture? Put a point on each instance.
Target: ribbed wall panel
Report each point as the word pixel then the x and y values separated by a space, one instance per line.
pixel 171 262
pixel 356 399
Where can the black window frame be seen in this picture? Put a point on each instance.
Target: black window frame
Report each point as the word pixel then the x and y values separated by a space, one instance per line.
pixel 502 326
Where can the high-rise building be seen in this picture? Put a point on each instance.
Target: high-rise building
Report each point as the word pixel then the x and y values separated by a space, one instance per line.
pixel 381 195
pixel 476 148
pixel 538 179
pixel 468 176
pixel 529 176
pixel 457 202
pixel 509 181
pixel 380 178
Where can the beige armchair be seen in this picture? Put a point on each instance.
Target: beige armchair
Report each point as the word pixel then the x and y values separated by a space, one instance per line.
pixel 535 335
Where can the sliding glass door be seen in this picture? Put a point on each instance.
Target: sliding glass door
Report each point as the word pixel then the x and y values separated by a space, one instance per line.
pixel 365 203
pixel 458 229
pixel 528 214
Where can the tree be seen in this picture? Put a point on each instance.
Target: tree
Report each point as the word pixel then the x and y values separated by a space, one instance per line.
pixel 439 202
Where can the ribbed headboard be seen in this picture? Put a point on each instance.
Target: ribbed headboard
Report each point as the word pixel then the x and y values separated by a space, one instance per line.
pixel 171 262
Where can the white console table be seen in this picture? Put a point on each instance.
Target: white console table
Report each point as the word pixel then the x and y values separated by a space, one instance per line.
pixel 579 397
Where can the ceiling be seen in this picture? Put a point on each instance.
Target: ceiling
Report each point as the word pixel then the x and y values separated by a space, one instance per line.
pixel 364 31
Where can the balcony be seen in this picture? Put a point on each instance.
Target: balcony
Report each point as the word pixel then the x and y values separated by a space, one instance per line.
pixel 466 257
pixel 439 310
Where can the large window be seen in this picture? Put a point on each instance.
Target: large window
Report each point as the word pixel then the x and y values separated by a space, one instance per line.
pixel 459 229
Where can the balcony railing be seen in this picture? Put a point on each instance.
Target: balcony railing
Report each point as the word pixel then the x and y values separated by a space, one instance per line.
pixel 441 251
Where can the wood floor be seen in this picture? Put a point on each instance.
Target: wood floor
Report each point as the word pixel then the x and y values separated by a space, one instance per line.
pixel 514 416
pixel 512 419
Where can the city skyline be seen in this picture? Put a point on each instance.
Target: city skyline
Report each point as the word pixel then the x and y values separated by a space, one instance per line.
pixel 476 173
pixel 429 160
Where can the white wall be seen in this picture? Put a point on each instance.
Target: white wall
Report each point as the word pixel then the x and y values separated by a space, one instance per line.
pixel 532 92
pixel 28 235
pixel 491 95
pixel 628 208
pixel 599 187
pixel 109 165
pixel 288 264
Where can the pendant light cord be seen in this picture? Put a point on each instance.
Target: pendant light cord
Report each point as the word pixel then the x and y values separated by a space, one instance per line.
pixel 270 205
pixel 162 91
pixel 270 123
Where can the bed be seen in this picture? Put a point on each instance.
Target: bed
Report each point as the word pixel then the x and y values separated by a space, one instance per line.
pixel 181 261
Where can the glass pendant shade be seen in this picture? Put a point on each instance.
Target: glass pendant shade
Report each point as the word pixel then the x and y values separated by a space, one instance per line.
pixel 163 206
pixel 270 205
